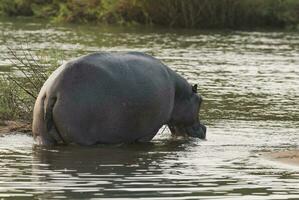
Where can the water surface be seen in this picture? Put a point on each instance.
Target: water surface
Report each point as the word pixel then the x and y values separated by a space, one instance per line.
pixel 249 82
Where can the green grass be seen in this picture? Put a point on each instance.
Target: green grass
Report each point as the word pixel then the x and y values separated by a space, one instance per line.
pixel 18 91
pixel 198 14
pixel 14 101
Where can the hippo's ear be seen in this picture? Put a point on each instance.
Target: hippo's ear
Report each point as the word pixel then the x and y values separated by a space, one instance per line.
pixel 194 88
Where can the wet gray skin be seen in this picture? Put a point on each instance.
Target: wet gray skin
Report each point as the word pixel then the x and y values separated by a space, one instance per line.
pixel 196 130
pixel 189 129
pixel 108 98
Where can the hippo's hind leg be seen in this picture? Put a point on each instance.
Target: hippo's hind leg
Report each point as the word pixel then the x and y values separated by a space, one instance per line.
pixel 40 126
pixel 148 137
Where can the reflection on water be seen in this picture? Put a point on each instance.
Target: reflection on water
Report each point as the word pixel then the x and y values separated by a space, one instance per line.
pixel 227 165
pixel 249 81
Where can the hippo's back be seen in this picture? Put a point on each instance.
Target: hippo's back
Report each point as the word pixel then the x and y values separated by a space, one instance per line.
pixel 110 98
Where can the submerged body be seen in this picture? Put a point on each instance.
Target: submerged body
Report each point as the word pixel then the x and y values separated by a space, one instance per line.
pixel 114 98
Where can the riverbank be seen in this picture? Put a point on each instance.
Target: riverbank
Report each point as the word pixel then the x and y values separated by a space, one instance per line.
pixel 14 126
pixel 201 14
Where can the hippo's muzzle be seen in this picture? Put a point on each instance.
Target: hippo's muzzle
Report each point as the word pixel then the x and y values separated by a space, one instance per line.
pixel 196 130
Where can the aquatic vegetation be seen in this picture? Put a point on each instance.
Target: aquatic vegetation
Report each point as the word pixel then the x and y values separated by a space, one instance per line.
pixel 199 14
pixel 19 87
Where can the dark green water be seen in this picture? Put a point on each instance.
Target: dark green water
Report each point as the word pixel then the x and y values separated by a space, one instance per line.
pixel 250 85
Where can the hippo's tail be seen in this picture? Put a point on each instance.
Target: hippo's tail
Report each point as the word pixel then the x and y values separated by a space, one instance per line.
pixel 44 129
pixel 50 125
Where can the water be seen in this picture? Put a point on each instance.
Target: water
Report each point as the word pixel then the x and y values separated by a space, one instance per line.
pixel 249 82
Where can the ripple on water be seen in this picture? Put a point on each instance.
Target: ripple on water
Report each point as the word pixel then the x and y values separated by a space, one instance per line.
pixel 249 81
pixel 227 165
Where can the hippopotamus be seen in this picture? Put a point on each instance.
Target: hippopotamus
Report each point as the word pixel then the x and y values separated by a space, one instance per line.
pixel 109 98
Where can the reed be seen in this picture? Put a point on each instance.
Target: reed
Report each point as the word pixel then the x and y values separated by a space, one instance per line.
pixel 20 87
pixel 199 14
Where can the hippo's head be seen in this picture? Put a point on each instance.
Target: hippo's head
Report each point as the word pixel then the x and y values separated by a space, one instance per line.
pixel 185 116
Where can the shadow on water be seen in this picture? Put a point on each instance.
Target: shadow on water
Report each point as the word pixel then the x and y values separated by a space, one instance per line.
pixel 102 159
pixel 164 169
pixel 105 170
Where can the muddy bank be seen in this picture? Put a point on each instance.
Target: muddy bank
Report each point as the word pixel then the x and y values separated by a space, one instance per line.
pixel 15 126
pixel 286 157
